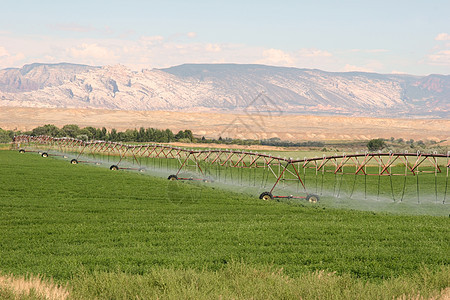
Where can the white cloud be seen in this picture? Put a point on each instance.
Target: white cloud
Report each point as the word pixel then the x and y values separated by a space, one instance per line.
pixel 7 60
pixel 213 48
pixel 443 37
pixel 352 68
pixel 127 34
pixel 398 72
pixel 150 40
pixel 277 57
pixel 3 52
pixel 91 51
pixel 440 55
pixel 312 52
pixel 48 58
pixel 158 51
pixel 441 58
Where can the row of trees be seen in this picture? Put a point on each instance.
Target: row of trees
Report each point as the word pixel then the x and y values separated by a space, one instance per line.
pixel 141 135
pixel 280 143
pixel 229 141
pixel 380 143
pixel 144 135
pixel 91 133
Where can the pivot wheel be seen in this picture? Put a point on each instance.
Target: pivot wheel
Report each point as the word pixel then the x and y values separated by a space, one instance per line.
pixel 312 198
pixel 44 154
pixel 22 151
pixel 74 161
pixel 266 196
pixel 173 177
pixel 114 168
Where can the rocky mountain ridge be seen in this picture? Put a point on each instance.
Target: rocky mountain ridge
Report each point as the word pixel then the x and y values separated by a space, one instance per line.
pixel 226 88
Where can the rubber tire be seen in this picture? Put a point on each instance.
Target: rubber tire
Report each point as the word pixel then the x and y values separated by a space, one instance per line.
pixel 266 196
pixel 74 161
pixel 142 170
pixel 114 168
pixel 44 154
pixel 22 151
pixel 172 177
pixel 312 198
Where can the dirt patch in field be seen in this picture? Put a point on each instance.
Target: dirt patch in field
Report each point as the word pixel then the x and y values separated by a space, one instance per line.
pixel 245 126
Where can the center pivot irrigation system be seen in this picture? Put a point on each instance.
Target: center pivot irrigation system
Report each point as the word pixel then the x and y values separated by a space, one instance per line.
pixel 278 177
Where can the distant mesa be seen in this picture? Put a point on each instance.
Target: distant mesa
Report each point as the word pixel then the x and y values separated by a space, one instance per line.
pixel 226 88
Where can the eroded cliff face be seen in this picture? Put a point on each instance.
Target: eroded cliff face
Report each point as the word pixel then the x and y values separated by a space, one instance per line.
pixel 226 88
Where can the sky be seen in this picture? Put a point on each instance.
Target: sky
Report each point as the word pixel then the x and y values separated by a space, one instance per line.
pixel 394 36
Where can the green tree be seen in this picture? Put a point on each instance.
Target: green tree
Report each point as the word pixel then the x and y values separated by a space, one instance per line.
pixel 179 135
pixel 113 135
pixel 130 135
pixel 85 134
pixel 150 135
pixel 98 134
pixel 4 136
pixel 188 134
pixel 104 135
pixel 169 135
pixel 48 129
pixel 141 135
pixel 71 130
pixel 92 132
pixel 375 144
pixel 159 136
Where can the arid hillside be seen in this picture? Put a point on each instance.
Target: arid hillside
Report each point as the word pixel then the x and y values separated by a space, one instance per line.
pixel 246 126
pixel 226 88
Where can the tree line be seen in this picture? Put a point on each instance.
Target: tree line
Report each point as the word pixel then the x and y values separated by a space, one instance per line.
pixel 141 135
pixel 149 135
pixel 113 135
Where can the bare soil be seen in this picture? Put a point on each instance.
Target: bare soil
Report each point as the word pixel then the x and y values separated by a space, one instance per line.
pixel 244 126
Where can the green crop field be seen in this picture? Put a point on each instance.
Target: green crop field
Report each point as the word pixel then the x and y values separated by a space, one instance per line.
pixel 427 193
pixel 121 235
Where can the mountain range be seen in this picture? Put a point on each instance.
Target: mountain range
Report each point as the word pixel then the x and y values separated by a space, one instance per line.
pixel 231 88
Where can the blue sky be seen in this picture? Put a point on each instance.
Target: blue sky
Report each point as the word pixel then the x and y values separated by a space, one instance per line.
pixel 375 36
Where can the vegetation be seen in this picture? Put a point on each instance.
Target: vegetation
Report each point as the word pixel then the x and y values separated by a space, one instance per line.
pixel 91 133
pixel 6 136
pixel 235 280
pixel 375 144
pixel 279 143
pixel 127 235
pixel 148 135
